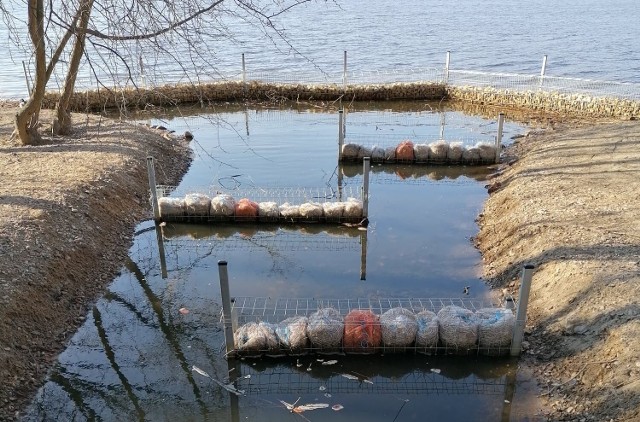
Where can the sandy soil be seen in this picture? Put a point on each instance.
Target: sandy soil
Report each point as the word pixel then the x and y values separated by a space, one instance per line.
pixel 567 202
pixel 68 209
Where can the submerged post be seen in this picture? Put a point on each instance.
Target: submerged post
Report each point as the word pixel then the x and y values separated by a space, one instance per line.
pixel 521 312
pixel 226 306
pixel 366 166
pixel 447 62
pixel 340 133
pixel 543 70
pixel 244 70
pixel 344 70
pixel 363 255
pixel 499 136
pixel 152 186
pixel 26 77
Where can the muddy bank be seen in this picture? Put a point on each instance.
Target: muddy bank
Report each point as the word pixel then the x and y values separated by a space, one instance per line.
pixel 68 209
pixel 569 204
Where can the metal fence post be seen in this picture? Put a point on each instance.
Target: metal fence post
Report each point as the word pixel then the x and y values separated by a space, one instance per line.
pixel 366 166
pixel 340 133
pixel 499 136
pixel 143 78
pixel 26 77
pixel 447 62
pixel 244 70
pixel 226 306
pixel 344 70
pixel 543 70
pixel 152 186
pixel 521 312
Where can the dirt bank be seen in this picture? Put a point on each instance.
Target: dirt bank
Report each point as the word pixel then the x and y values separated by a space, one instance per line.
pixel 68 209
pixel 570 205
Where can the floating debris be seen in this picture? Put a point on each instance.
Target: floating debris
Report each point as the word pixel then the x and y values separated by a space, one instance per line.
pixel 229 387
pixel 200 371
pixel 330 362
pixel 435 370
pixel 298 364
pixel 183 311
pixel 322 388
pixel 337 407
pixel 350 377
pixel 303 407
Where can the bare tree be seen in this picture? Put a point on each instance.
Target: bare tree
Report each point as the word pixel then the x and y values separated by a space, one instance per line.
pixel 108 35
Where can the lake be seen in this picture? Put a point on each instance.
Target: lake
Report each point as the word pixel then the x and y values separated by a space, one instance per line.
pixel 582 38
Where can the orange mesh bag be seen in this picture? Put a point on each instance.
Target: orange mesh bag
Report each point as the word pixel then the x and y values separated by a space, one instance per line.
pixel 361 332
pixel 246 209
pixel 404 151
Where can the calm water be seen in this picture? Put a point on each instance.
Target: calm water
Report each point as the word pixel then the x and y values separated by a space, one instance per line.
pixel 134 356
pixel 582 38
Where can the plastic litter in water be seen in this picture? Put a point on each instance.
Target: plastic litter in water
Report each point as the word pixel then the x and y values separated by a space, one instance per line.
pixel 337 407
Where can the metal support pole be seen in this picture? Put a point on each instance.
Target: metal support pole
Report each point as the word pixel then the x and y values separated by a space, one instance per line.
pixel 447 62
pixel 521 313
pixel 142 76
pixel 152 186
pixel 442 124
pixel 543 70
pixel 340 133
pixel 244 70
pixel 226 306
pixel 366 166
pixel 344 70
pixel 499 136
pixel 26 77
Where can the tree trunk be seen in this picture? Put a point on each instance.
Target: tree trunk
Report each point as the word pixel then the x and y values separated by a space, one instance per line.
pixel 62 122
pixel 26 122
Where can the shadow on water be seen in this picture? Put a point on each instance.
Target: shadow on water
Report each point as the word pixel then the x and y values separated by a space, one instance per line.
pixel 135 355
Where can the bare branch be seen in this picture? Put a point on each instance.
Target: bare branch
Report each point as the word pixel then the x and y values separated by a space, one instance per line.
pixel 155 34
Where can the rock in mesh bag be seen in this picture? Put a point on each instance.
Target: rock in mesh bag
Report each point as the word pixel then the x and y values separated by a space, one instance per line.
pixel 223 205
pixel 171 207
pixel 362 333
pixel 399 327
pixel 197 204
pixel 495 327
pixel 427 335
pixel 458 327
pixel 256 337
pixel 325 328
pixel 292 334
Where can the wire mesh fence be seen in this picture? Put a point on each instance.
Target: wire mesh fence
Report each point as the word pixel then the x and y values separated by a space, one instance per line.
pixel 298 326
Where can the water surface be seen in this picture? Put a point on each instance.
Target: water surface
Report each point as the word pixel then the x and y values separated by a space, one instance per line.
pixel 134 357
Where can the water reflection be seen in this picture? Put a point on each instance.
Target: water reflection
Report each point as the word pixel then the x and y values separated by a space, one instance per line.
pixel 251 237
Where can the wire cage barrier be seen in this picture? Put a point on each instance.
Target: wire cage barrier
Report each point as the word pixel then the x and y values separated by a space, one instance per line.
pixel 409 152
pixel 289 326
pixel 278 327
pixel 275 205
